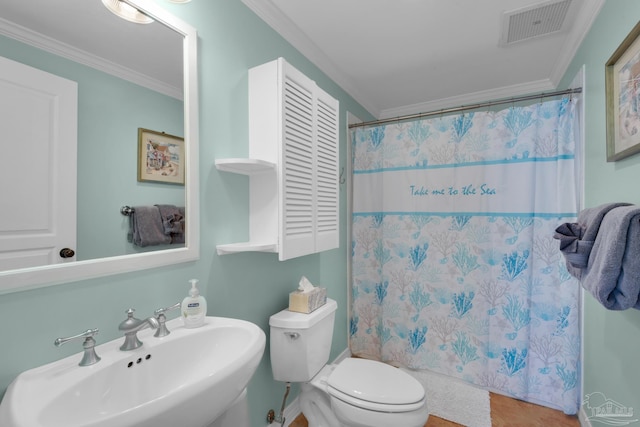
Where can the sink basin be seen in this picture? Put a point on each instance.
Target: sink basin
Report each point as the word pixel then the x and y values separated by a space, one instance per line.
pixel 188 378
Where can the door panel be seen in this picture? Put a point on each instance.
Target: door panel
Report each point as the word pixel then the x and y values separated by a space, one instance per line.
pixel 38 136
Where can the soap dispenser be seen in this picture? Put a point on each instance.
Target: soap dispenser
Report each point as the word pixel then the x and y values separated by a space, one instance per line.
pixel 194 307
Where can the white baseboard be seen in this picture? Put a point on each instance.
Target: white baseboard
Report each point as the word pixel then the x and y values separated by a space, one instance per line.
pixel 292 410
pixel 582 417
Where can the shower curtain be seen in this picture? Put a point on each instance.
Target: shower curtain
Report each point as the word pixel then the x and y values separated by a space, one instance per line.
pixel 454 265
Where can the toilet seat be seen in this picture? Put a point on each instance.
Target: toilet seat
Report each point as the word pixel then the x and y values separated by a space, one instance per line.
pixel 375 386
pixel 372 406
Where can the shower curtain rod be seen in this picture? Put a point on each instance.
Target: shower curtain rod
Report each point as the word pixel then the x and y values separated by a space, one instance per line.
pixel 467 107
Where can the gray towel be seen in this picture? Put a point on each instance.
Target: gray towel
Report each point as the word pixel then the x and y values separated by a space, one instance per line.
pixel 577 238
pixel 573 247
pixel 145 227
pixel 612 275
pixel 178 237
pixel 172 222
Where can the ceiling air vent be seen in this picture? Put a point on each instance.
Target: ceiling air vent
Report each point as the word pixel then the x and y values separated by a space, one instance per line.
pixel 534 21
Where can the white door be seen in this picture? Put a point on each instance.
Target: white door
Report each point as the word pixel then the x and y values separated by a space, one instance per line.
pixel 327 176
pixel 38 139
pixel 297 161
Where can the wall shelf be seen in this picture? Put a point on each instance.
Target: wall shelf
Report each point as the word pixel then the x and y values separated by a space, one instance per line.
pixel 244 166
pixel 262 175
pixel 234 248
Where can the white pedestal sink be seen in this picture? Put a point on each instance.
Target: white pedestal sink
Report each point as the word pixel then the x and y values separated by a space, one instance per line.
pixel 189 378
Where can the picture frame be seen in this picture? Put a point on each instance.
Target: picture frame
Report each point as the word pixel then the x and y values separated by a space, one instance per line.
pixel 622 94
pixel 161 157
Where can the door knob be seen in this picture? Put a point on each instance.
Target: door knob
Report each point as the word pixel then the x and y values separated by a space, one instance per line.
pixel 67 253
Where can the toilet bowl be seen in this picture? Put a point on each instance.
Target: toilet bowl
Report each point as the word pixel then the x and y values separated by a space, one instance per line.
pixel 352 393
pixel 363 393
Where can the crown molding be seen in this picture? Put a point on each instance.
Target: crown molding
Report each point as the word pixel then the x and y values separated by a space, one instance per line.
pixel 48 44
pixel 278 21
pixel 501 93
pixel 269 13
pixel 587 15
pixel 582 24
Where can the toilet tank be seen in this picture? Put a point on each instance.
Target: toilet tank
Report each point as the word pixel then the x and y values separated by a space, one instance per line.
pixel 300 343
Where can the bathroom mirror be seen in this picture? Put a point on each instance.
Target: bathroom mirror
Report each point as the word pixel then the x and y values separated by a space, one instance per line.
pixel 183 89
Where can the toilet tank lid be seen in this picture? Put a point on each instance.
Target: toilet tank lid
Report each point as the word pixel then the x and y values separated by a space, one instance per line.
pixel 293 320
pixel 375 382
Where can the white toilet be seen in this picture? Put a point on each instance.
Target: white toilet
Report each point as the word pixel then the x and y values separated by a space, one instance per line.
pixel 352 393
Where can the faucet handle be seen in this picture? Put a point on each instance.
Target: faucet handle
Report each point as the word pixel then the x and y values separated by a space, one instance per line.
pixel 89 357
pixel 129 322
pixel 88 334
pixel 162 330
pixel 160 311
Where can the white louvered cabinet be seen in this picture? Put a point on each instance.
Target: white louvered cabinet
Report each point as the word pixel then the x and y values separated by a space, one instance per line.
pixel 292 165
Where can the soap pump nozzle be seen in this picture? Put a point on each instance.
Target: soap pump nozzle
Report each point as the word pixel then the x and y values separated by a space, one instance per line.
pixel 194 292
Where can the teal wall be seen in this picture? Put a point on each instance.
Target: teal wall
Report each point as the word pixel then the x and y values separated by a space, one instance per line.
pixel 253 286
pixel 248 286
pixel 611 342
pixel 110 111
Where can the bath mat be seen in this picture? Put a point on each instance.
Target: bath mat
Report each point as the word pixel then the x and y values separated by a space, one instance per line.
pixel 454 400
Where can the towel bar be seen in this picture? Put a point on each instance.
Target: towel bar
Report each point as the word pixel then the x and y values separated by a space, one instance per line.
pixel 127 210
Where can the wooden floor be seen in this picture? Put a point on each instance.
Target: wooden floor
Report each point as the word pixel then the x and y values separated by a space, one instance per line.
pixel 505 412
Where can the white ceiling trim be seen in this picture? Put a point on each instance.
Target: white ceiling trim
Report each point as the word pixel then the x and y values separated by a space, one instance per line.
pixel 505 92
pixel 48 44
pixel 270 14
pixel 588 13
pixel 583 22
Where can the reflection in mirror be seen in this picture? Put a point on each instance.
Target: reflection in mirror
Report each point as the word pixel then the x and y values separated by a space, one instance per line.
pixel 122 77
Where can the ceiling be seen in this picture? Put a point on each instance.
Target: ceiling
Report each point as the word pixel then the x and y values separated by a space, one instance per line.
pixel 398 57
pixel 394 57
pixel 87 32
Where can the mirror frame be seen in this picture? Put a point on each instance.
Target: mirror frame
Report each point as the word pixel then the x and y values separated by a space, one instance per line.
pixel 38 277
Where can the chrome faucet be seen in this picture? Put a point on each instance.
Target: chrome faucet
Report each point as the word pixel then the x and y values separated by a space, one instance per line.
pixel 162 330
pixel 130 326
pixel 89 357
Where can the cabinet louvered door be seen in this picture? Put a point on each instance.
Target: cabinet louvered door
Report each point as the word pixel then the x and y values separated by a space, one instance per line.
pixel 293 138
pixel 327 161
pixel 297 162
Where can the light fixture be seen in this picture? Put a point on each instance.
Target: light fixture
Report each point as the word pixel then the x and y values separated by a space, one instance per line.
pixel 179 1
pixel 126 11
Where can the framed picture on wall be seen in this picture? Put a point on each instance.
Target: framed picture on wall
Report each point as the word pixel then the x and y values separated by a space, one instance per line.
pixel 160 157
pixel 622 89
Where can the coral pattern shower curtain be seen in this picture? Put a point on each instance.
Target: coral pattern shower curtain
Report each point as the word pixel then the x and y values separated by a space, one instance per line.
pixel 454 265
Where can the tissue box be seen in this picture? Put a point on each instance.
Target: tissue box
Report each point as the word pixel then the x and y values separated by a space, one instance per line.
pixel 306 302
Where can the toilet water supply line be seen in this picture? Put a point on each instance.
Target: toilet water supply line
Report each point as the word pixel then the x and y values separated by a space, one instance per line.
pixel 271 418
